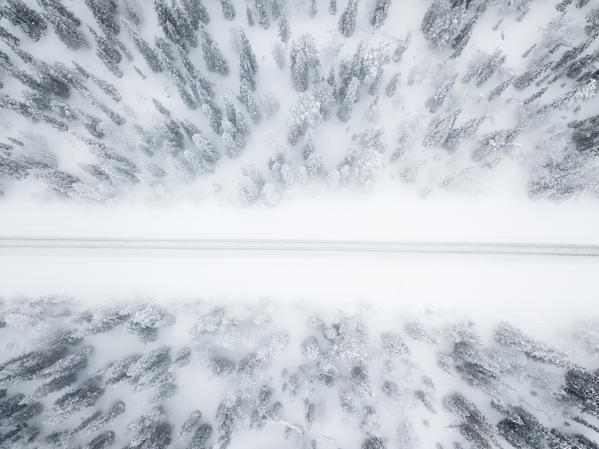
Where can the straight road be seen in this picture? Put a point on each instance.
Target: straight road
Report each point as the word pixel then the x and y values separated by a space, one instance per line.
pixel 300 246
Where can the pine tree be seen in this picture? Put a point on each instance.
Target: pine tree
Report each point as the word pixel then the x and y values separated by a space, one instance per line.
pixel 283 29
pixel 347 20
pixel 304 60
pixel 66 24
pixel 104 11
pixel 247 98
pixel 213 56
pixel 379 15
pixel 196 11
pixel 228 9
pixel 208 151
pixel 175 23
pixel 248 66
pixel 168 61
pixel 235 129
pixel 250 189
pixel 263 19
pixel 108 53
pixel 147 52
pixel 26 18
pixel 434 103
pixel 350 97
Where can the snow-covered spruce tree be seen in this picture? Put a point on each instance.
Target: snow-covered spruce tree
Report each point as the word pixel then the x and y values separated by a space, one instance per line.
pixel 279 167
pixel 350 97
pixel 196 12
pixel 213 56
pixel 434 103
pixel 66 24
pixel 208 152
pixel 250 189
pixel 145 49
pixel 304 62
pixel 168 61
pixel 108 53
pixel 228 9
pixel 105 11
pixel 235 129
pixel 247 98
pixel 482 70
pixel 348 18
pixel 311 109
pixel 283 29
pixel 214 115
pixel 27 19
pixel 449 24
pixel 379 15
pixel 175 23
pixel 248 66
pixel 262 14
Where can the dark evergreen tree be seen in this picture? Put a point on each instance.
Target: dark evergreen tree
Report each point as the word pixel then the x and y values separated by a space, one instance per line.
pixel 196 11
pixel 146 50
pixel 105 11
pixel 66 24
pixel 175 23
pixel 26 18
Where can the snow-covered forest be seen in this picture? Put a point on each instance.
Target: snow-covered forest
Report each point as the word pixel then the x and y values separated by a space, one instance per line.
pixel 195 374
pixel 251 99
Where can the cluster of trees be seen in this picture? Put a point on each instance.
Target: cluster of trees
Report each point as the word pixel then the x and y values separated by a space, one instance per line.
pixel 328 369
pixel 221 95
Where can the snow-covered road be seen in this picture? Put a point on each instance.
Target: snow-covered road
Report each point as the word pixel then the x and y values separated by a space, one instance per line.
pixel 300 246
